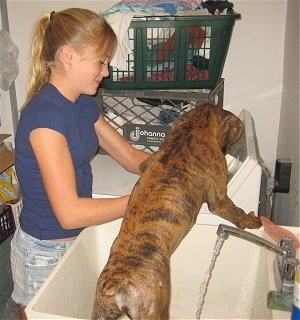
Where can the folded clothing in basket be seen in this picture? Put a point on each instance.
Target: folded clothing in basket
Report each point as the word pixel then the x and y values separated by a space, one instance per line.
pixel 121 15
pixel 190 4
pixel 196 38
pixel 217 5
pixel 120 22
pixel 154 6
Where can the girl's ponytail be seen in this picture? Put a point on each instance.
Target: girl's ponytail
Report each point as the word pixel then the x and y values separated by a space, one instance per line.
pixel 39 70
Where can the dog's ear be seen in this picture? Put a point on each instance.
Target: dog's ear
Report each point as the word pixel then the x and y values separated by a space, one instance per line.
pixel 230 130
pixel 179 122
pixel 187 120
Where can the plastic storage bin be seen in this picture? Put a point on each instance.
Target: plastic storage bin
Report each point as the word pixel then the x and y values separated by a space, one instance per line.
pixel 144 117
pixel 170 52
pixel 16 207
pixel 7 223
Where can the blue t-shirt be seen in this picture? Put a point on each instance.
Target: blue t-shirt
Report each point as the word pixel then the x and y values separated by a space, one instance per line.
pixel 50 109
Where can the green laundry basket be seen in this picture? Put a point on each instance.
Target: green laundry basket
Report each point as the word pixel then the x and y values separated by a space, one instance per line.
pixel 174 52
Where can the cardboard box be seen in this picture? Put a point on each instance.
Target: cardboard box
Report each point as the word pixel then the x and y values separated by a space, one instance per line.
pixel 7 157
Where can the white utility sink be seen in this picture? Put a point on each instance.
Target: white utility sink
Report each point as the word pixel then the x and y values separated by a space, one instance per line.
pixel 238 289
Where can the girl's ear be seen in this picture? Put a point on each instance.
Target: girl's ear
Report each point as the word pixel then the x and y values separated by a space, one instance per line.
pixel 66 54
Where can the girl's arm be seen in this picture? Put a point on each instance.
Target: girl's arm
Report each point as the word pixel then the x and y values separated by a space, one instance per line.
pixel 54 159
pixel 118 148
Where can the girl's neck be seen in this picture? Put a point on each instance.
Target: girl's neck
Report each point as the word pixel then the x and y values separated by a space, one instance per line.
pixel 64 86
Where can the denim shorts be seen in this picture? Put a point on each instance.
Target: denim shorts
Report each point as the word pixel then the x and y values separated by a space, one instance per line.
pixel 32 261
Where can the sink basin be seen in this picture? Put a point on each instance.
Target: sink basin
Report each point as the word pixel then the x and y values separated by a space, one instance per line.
pixel 238 288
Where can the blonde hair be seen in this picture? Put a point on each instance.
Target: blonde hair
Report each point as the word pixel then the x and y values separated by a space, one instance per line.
pixel 81 28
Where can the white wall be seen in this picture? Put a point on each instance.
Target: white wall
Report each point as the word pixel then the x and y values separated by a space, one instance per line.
pixel 254 68
pixel 6 123
pixel 286 205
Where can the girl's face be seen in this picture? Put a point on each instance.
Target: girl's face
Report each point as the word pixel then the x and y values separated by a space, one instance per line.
pixel 85 74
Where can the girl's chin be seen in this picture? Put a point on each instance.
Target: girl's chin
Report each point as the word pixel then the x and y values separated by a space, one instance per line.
pixel 92 91
pixel 97 86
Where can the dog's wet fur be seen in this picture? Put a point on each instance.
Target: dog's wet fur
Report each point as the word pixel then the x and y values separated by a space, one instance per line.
pixel 188 169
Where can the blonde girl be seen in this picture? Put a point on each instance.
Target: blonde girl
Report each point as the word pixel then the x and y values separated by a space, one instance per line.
pixel 59 131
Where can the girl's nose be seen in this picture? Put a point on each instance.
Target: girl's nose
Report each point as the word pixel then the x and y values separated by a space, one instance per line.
pixel 104 69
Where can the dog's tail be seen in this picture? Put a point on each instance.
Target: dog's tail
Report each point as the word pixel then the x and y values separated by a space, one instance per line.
pixel 110 298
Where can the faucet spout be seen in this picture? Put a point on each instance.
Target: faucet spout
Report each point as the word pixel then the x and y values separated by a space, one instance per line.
pixel 285 262
pixel 225 231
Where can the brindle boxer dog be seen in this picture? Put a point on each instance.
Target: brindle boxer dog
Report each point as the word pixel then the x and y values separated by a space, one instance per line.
pixel 188 169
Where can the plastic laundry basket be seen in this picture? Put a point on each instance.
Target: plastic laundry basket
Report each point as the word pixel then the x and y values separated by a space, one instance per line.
pixel 170 52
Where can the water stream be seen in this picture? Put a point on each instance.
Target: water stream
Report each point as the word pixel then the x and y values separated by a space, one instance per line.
pixel 203 288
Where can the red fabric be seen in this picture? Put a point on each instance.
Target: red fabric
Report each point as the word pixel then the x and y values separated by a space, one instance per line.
pixel 275 232
pixel 196 38
pixel 193 74
pixel 167 74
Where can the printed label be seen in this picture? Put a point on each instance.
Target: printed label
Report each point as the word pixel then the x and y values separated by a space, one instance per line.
pixel 145 134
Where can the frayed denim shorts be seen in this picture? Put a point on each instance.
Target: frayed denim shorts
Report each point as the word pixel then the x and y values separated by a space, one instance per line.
pixel 32 261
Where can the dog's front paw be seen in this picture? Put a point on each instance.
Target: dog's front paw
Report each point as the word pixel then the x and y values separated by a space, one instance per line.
pixel 250 222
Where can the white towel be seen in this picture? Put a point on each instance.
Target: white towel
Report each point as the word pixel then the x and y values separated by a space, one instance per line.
pixel 120 22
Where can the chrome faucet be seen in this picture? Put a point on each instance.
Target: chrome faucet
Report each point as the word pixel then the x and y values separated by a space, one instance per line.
pixel 285 262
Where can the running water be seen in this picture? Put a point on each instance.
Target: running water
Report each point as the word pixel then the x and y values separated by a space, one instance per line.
pixel 203 288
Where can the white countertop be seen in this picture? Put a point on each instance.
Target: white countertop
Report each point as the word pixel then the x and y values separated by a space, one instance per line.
pixel 109 178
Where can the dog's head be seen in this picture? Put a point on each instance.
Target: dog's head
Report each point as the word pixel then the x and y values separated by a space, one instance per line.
pixel 223 124
pixel 207 119
pixel 230 128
